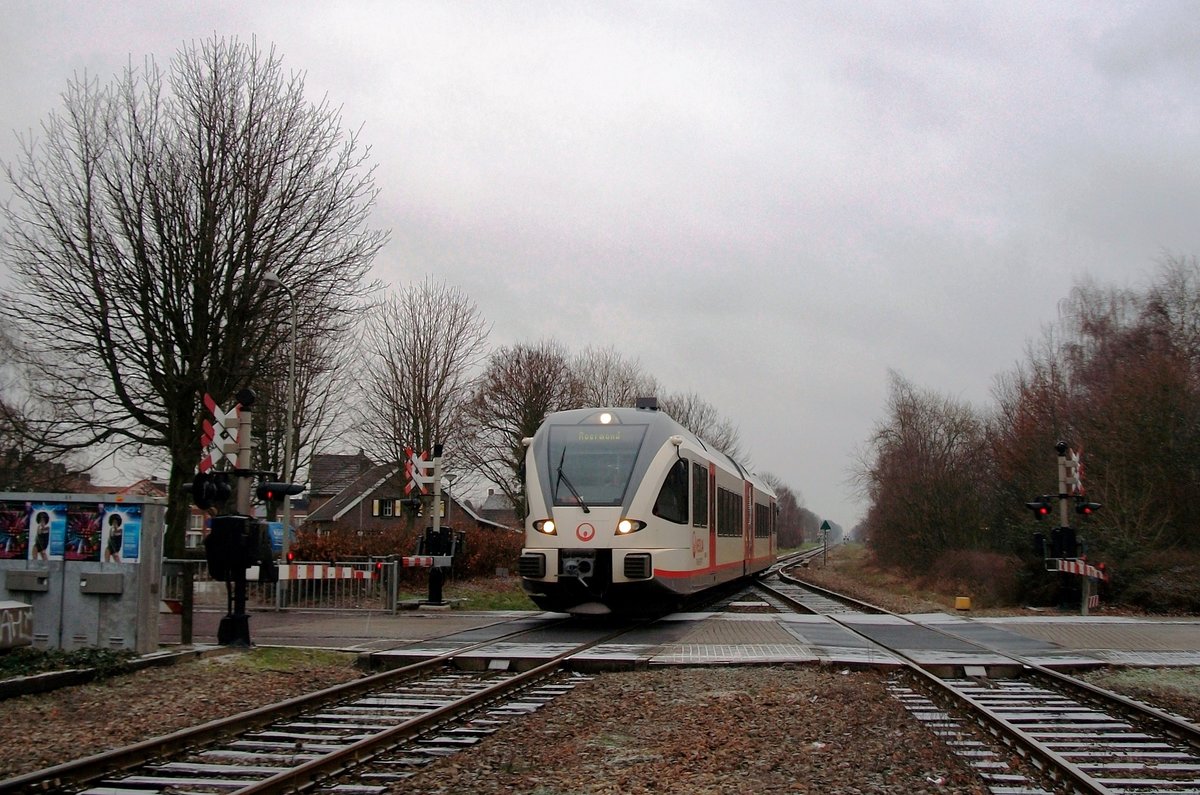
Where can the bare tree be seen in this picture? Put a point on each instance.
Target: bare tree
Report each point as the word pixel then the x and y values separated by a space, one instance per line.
pixel 609 379
pixel 321 374
pixel 702 418
pixel 421 350
pixel 519 387
pixel 921 475
pixel 141 229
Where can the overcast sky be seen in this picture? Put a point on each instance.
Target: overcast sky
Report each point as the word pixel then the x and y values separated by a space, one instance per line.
pixel 768 203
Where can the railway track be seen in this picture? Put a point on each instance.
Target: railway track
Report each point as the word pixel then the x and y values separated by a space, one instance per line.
pixel 400 719
pixel 1039 732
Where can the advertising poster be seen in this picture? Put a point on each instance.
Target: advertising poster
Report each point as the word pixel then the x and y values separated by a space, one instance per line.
pixel 47 530
pixel 83 531
pixel 14 530
pixel 121 533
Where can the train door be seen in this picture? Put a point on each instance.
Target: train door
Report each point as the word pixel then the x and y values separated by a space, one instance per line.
pixel 772 510
pixel 748 527
pixel 712 516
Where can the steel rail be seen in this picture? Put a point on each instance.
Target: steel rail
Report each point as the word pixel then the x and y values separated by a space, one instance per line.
pixel 312 772
pixel 119 760
pixel 1020 740
pixel 1025 744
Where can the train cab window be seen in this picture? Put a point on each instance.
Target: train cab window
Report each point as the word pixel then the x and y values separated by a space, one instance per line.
pixel 672 502
pixel 699 495
pixel 591 466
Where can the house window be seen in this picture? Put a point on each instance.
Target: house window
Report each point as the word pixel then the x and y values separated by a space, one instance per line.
pixel 387 508
pixel 194 537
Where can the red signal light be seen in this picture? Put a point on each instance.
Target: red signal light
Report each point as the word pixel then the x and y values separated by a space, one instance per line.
pixel 1040 507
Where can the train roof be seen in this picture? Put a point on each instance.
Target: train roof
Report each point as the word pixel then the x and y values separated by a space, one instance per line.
pixel 660 427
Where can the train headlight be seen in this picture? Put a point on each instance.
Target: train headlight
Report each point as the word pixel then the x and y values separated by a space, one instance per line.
pixel 627 526
pixel 546 526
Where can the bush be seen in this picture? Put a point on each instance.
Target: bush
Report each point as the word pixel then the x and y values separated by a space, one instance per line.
pixel 486 550
pixel 27 661
pixel 989 578
pixel 1161 582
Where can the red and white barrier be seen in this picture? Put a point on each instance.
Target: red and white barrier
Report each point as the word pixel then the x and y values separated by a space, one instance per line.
pixel 426 561
pixel 321 571
pixel 1081 568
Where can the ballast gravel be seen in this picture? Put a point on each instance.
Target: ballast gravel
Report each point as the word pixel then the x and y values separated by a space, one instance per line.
pixel 711 730
pixel 788 729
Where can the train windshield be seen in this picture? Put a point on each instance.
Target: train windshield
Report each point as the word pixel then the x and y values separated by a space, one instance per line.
pixel 592 465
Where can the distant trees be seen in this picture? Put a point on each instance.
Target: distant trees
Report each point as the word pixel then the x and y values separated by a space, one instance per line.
pixel 323 370
pixel 420 357
pixel 606 378
pixel 922 475
pixel 520 385
pixel 140 232
pixel 794 523
pixel 1120 380
pixel 1117 378
pixel 702 418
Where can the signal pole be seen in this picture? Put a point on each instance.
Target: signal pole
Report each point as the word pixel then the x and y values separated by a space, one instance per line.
pixel 1064 551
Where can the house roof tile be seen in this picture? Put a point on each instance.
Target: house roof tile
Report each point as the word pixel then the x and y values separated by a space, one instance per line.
pixel 331 473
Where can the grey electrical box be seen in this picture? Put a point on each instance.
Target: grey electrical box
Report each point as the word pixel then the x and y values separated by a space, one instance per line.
pixel 89 565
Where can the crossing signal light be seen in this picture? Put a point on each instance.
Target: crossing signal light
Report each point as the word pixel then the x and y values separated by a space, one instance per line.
pixel 271 491
pixel 1040 507
pixel 209 489
pixel 1085 508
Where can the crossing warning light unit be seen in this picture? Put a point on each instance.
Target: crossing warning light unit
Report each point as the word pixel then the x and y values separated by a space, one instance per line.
pixel 1040 507
pixel 273 491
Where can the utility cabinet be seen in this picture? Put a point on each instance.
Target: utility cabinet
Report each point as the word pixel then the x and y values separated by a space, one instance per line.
pixel 89 566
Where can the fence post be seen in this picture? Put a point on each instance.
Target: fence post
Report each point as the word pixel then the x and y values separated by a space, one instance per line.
pixel 394 585
pixel 188 602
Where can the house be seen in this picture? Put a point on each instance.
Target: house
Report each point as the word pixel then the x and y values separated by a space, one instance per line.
pixel 330 474
pixel 352 490
pixel 498 508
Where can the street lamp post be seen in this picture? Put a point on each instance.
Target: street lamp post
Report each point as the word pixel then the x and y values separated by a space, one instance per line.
pixel 273 278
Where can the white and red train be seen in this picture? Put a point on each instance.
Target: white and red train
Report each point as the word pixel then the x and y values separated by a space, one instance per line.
pixel 629 512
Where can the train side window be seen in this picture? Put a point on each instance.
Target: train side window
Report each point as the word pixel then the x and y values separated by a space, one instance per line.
pixel 729 513
pixel 762 521
pixel 699 495
pixel 672 502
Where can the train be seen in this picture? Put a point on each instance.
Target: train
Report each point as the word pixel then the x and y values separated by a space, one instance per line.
pixel 629 512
